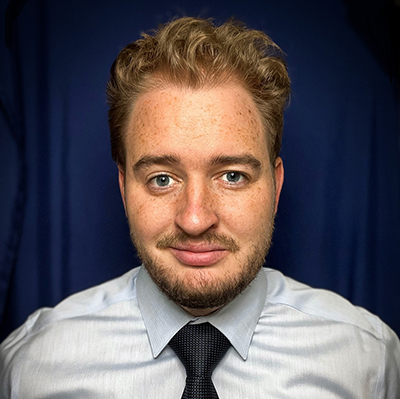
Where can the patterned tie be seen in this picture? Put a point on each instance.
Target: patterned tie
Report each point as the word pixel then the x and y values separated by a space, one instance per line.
pixel 200 347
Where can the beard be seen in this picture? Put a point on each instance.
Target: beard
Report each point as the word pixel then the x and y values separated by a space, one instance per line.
pixel 199 290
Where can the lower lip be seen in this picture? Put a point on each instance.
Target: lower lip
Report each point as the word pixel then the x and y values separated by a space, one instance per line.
pixel 198 258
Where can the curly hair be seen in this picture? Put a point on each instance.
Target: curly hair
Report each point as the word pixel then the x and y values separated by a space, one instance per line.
pixel 195 53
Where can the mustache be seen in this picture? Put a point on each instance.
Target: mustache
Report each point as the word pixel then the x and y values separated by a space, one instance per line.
pixel 212 238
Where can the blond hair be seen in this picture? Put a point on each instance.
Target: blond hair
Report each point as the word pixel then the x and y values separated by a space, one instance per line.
pixel 195 53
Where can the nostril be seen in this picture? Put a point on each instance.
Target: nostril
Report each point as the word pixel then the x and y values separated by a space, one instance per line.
pixel 196 217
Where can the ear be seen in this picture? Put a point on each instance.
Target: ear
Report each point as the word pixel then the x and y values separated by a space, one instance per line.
pixel 279 175
pixel 121 181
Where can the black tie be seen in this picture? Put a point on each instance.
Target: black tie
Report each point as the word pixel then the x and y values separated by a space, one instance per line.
pixel 200 347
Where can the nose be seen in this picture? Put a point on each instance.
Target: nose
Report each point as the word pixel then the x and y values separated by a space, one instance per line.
pixel 197 209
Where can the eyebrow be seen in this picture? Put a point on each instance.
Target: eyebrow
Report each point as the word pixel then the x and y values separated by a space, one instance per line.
pixel 149 160
pixel 246 159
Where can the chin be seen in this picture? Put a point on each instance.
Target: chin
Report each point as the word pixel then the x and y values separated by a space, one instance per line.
pixel 201 288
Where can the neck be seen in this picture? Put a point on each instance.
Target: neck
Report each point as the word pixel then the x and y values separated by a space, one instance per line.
pixel 200 312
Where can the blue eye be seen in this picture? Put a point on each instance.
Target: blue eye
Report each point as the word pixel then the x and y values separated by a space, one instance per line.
pixel 162 180
pixel 162 183
pixel 233 177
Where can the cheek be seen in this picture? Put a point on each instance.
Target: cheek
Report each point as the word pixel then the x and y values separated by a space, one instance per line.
pixel 247 216
pixel 148 216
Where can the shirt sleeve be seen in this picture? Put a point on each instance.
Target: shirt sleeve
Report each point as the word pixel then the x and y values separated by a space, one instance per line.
pixel 390 386
pixel 10 352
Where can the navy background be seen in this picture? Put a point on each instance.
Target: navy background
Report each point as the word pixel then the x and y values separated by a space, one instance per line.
pixel 62 226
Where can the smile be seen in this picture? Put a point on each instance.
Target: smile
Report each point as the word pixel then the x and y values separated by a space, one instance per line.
pixel 199 255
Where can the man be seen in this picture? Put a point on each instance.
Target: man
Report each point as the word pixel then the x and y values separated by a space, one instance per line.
pixel 196 117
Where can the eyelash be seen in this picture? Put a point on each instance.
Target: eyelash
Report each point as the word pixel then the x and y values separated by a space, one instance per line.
pixel 242 179
pixel 151 182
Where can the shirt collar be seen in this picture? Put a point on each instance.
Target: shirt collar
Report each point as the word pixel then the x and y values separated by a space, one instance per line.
pixel 237 320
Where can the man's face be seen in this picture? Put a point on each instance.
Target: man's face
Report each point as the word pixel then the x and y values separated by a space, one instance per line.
pixel 199 191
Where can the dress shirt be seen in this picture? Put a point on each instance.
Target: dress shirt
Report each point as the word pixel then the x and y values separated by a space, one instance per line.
pixel 288 341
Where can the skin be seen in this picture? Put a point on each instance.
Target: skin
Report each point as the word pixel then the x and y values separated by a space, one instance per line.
pixel 199 190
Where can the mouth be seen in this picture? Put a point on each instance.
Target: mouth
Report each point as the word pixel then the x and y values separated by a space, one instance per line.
pixel 201 254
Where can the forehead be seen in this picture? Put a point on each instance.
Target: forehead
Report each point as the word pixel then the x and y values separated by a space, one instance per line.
pixel 222 119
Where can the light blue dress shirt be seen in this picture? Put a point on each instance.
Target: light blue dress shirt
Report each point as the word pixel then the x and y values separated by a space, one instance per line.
pixel 288 341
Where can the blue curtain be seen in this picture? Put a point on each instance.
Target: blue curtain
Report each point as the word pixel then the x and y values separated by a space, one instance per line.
pixel 62 224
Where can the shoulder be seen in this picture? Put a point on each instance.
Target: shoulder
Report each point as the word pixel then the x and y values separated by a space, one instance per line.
pixel 323 304
pixel 47 327
pixel 316 332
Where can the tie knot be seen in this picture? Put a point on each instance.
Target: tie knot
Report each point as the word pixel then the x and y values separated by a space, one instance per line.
pixel 200 347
